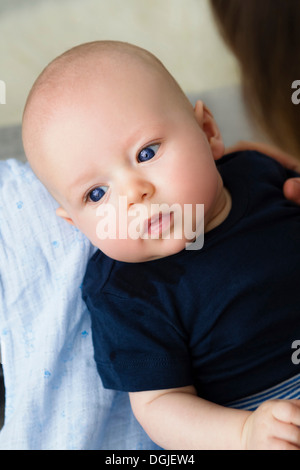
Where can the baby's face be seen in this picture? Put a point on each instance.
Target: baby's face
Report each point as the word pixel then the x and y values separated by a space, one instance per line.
pixel 125 161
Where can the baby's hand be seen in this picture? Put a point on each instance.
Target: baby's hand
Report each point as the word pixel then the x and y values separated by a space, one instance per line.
pixel 273 426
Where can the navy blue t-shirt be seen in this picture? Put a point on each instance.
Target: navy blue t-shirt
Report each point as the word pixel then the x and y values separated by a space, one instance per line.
pixel 222 318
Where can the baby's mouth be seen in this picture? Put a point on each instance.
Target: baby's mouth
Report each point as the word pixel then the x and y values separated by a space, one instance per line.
pixel 158 224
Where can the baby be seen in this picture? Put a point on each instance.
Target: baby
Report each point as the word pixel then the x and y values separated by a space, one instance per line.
pixel 189 331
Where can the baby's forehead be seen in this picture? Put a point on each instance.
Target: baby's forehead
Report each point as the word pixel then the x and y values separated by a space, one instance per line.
pixel 73 75
pixel 70 80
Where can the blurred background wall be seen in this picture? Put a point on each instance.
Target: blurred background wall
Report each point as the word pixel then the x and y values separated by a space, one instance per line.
pixel 180 32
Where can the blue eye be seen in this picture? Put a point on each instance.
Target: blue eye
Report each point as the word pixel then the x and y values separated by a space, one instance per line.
pixel 97 193
pixel 147 153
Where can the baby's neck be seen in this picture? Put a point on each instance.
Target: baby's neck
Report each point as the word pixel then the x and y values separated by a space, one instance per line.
pixel 221 210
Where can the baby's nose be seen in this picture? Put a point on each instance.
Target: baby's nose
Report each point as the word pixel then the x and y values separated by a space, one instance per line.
pixel 137 190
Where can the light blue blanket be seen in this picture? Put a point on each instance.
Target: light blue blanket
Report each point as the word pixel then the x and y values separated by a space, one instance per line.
pixel 54 396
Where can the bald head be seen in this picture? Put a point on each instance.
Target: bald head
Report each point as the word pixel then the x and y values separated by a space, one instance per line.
pixel 81 86
pixel 78 63
pixel 72 73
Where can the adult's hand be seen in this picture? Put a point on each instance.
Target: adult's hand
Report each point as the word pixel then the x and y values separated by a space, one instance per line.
pixel 291 190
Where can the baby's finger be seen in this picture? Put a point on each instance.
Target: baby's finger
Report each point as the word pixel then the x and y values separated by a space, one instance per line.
pixel 287 411
pixel 288 433
pixel 278 444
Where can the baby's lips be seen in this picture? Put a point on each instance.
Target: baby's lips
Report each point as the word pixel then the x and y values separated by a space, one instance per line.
pixel 157 223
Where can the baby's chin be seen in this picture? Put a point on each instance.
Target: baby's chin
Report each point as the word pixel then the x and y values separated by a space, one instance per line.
pixel 142 250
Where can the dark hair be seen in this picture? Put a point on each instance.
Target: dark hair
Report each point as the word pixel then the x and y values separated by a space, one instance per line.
pixel 264 35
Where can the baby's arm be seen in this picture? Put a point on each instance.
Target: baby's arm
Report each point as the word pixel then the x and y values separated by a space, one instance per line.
pixel 179 419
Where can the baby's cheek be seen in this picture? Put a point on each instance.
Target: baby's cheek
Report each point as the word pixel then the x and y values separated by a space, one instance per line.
pixel 103 232
pixel 88 226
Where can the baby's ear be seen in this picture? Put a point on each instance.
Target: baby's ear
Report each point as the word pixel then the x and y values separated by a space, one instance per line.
pixel 61 212
pixel 209 126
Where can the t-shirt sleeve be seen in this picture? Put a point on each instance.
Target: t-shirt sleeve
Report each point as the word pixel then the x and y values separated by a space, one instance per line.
pixel 137 344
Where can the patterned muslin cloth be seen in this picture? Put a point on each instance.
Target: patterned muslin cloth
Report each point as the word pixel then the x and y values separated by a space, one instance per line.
pixel 54 396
